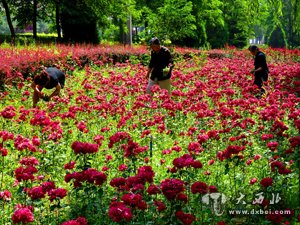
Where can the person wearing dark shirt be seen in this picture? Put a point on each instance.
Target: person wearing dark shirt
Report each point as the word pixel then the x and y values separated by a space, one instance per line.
pixel 160 66
pixel 49 79
pixel 260 70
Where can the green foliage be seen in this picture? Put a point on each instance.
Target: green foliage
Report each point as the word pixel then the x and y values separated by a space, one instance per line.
pixel 79 22
pixel 173 20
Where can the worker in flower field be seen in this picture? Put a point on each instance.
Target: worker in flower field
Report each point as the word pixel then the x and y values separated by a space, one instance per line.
pixel 260 70
pixel 49 78
pixel 160 66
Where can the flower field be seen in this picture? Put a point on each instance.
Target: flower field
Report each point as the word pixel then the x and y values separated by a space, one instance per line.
pixel 105 152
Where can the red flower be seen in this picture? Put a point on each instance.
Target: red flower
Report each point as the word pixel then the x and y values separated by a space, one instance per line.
pixel 266 182
pixel 172 187
pixel 8 112
pixel 84 147
pixel 160 206
pixel 70 165
pixel 182 197
pixel 26 173
pixel 22 215
pixel 58 193
pixel 3 151
pixel 119 212
pixel 221 223
pixel 36 141
pixel 134 201
pixel 199 187
pixel 185 218
pixel 119 183
pixel 184 161
pixel 272 145
pixel 29 161
pixel 153 190
pixel 78 221
pixel 123 167
pixel 5 195
pixel 295 141
pixel 253 181
pixel 36 193
pixel 274 217
pixel 48 186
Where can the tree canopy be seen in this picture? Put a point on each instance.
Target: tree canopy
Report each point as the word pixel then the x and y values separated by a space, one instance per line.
pixel 194 23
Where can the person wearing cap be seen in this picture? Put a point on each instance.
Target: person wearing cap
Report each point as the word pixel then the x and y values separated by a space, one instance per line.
pixel 49 79
pixel 261 69
pixel 160 66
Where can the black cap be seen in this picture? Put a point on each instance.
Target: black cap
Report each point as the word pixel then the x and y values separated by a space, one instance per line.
pixel 154 41
pixel 252 48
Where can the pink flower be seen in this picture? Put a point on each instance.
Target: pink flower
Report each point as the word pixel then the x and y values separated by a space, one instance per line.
pixel 253 181
pixel 58 193
pixel 119 212
pixel 8 112
pixel 36 141
pixel 272 145
pixel 36 193
pixel 78 221
pixel 3 151
pixel 123 167
pixel 5 195
pixel 22 215
pixel 70 165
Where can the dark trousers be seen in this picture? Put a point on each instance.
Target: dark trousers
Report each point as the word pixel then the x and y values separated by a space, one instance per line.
pixel 259 78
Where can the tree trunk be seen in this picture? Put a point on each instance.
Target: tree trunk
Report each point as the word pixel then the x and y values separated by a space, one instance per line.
pixel 9 21
pixel 57 19
pixel 34 19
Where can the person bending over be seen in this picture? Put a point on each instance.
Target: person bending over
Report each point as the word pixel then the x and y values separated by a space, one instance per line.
pixel 49 79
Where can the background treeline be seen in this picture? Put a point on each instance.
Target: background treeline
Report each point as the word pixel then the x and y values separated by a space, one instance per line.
pixel 192 23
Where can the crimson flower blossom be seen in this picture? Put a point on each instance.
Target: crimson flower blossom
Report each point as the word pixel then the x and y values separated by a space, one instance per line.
pixel 84 147
pixel 160 205
pixel 185 218
pixel 266 182
pixel 5 195
pixel 118 212
pixel 8 112
pixel 58 193
pixel 134 201
pixel 36 193
pixel 171 188
pixel 78 221
pixel 22 215
pixel 199 187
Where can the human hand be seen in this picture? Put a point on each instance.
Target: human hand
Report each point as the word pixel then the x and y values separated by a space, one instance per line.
pixel 46 98
pixel 41 94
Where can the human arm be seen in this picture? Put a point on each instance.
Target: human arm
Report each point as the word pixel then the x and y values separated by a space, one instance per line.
pixel 149 72
pixel 56 91
pixel 37 89
pixel 253 71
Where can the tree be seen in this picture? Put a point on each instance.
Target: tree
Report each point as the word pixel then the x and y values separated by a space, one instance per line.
pixel 9 21
pixel 238 21
pixel 173 21
pixel 79 21
pixel 211 30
